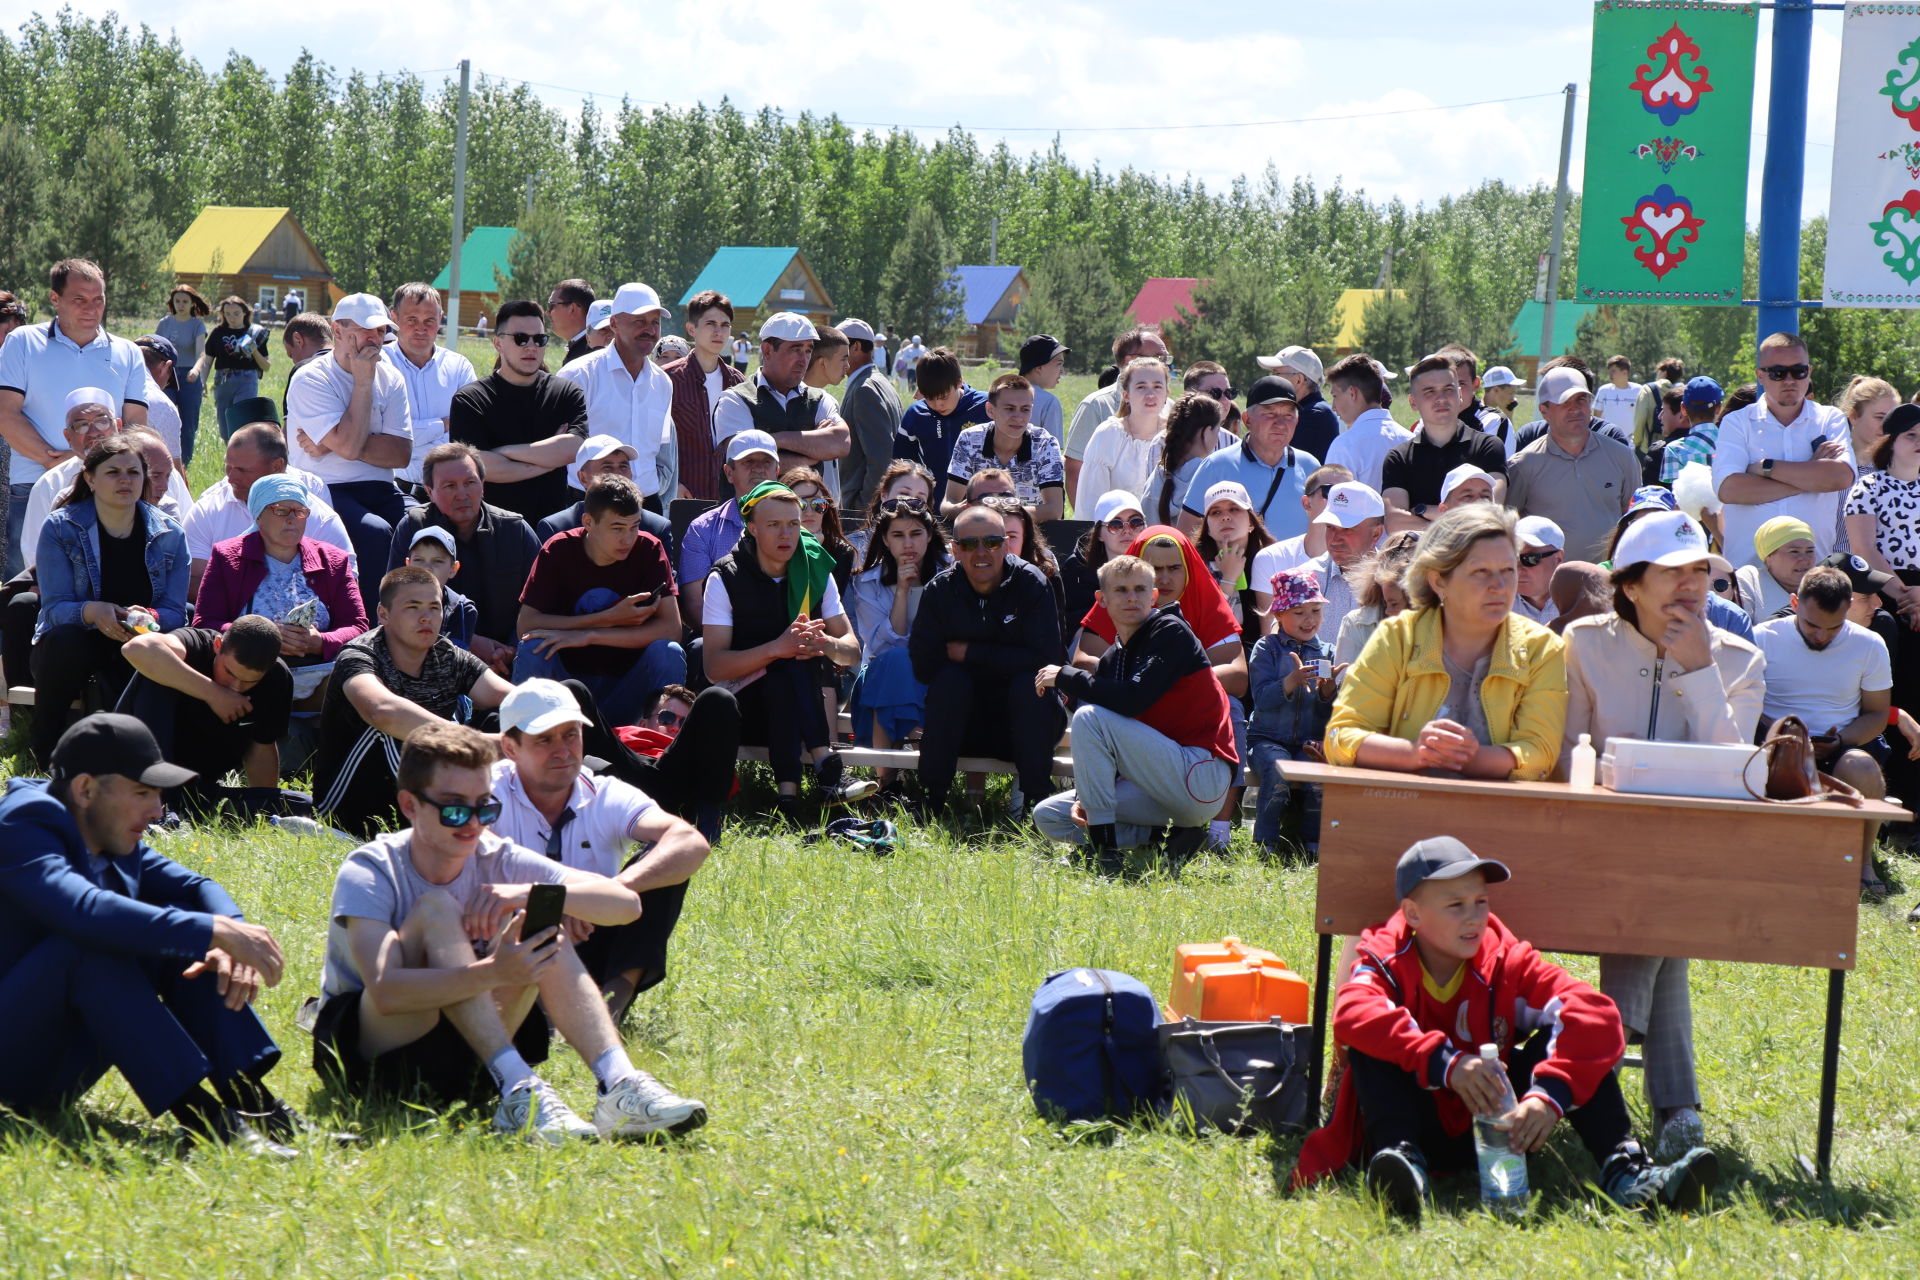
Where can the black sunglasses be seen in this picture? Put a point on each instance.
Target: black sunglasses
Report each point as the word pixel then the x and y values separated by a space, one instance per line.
pixel 991 542
pixel 893 506
pixel 1721 585
pixel 667 719
pixel 522 339
pixel 460 814
pixel 1533 559
pixel 1119 523
pixel 1786 372
pixel 1320 491
pixel 1220 393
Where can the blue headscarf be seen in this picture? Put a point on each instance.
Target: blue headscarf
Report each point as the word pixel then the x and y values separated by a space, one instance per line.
pixel 281 487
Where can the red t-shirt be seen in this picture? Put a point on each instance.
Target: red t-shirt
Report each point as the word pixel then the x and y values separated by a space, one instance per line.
pixel 562 574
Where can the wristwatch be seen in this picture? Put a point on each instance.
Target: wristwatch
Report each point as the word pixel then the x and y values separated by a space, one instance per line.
pixel 1766 468
pixel 1420 509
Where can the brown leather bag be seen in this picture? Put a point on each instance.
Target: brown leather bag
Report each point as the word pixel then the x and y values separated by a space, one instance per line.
pixel 1792 775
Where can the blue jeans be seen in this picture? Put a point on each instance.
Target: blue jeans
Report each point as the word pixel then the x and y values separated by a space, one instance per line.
pixel 17 495
pixel 229 385
pixel 1263 758
pixel 623 695
pixel 186 398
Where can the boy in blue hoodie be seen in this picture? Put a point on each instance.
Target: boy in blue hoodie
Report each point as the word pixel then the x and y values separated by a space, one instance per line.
pixel 432 550
pixel 1291 680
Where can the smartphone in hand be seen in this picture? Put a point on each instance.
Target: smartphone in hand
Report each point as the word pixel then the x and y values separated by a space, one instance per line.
pixel 546 903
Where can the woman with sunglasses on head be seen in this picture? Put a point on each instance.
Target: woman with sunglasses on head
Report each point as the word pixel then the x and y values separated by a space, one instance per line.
pixel 1193 436
pixel 904 483
pixel 889 704
pixel 1118 518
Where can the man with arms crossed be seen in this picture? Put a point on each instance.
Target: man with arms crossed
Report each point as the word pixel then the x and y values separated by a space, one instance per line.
pixel 429 981
pixel 1783 455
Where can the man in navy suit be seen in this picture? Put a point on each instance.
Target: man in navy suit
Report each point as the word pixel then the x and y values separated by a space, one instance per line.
pixel 113 956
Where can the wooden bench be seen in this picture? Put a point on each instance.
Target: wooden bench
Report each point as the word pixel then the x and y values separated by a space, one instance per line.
pixel 1601 872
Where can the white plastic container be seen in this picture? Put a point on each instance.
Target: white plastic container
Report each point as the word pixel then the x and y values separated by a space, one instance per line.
pixel 1711 770
pixel 1580 771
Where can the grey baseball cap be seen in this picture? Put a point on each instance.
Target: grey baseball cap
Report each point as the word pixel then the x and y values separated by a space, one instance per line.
pixel 1442 858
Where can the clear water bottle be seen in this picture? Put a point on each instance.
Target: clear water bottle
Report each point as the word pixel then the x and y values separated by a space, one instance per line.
pixel 1503 1171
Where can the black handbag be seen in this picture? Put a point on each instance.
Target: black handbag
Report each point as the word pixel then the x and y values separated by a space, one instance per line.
pixel 1239 1077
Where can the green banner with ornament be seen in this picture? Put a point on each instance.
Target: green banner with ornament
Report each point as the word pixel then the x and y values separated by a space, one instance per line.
pixel 1663 206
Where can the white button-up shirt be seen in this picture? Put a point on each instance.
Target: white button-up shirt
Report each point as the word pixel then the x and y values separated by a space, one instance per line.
pixel 44 364
pixel 317 398
pixel 599 836
pixel 218 516
pixel 430 389
pixel 1753 435
pixel 637 411
pixel 163 417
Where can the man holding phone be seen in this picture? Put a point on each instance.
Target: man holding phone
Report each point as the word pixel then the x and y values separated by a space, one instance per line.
pixel 433 966
pixel 601 606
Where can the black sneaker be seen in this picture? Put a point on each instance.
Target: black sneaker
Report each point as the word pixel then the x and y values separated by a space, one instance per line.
pixel 231 1129
pixel 1632 1181
pixel 1397 1176
pixel 832 785
pixel 1184 844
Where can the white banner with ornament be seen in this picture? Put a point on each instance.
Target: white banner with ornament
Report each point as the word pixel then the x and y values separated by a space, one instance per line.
pixel 1873 214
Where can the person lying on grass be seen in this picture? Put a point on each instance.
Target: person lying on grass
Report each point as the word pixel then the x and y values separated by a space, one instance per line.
pixel 430 984
pixel 1409 1095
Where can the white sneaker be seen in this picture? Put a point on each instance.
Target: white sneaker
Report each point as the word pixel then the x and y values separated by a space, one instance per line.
pixel 534 1109
pixel 640 1105
pixel 1682 1132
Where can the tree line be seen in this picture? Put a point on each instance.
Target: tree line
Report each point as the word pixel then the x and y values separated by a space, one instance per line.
pixel 113 138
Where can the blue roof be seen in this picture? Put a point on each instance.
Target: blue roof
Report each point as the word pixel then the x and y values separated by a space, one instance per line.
pixel 983 288
pixel 746 275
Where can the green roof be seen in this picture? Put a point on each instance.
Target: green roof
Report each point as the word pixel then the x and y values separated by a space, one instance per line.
pixel 745 275
pixel 1567 316
pixel 485 249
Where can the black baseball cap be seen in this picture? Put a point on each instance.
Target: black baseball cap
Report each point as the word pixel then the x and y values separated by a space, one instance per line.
pixel 1867 581
pixel 253 409
pixel 1270 390
pixel 1039 349
pixel 108 742
pixel 1442 858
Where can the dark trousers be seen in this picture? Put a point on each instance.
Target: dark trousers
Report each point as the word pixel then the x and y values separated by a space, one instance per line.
pixel 696 769
pixel 370 509
pixel 1395 1108
pixel 783 712
pixel 72 1014
pixel 209 755
pixel 999 716
pixel 21 612
pixel 64 661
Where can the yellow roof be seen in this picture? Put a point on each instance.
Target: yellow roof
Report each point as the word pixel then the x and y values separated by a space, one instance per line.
pixel 229 232
pixel 1351 311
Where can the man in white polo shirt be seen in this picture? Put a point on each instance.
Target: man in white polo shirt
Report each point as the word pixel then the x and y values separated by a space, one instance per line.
pixel 41 363
pixel 552 804
pixel 1543 546
pixel 256 450
pixel 804 421
pixel 630 397
pixel 348 423
pixel 431 372
pixel 1783 455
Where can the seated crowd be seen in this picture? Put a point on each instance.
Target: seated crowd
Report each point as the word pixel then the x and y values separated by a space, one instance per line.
pixel 517 668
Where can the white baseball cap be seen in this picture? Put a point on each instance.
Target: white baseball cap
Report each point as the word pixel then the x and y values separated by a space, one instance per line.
pixel 1300 360
pixel 1499 376
pixel 1460 475
pixel 787 326
pixel 1386 374
pixel 743 443
pixel 856 330
pixel 1113 502
pixel 636 299
pixel 89 395
pixel 1665 538
pixel 1559 385
pixel 1349 503
pixel 594 448
pixel 1538 531
pixel 539 704
pixel 600 313
pixel 436 534
pixel 363 309
pixel 1229 491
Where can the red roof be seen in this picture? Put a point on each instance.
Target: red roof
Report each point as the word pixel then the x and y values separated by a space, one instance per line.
pixel 1161 297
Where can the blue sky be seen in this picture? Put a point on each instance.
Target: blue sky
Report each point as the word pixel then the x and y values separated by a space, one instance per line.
pixel 1096 71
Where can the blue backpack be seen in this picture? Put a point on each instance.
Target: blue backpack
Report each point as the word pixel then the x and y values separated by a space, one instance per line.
pixel 1091 1049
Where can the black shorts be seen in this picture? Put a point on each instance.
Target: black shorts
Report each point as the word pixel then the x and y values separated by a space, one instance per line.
pixel 642 944
pixel 439 1064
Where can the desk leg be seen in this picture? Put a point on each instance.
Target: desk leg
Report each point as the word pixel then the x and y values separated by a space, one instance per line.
pixel 1830 1071
pixel 1322 975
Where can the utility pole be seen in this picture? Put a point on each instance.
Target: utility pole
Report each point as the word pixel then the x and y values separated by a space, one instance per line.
pixel 1558 243
pixel 459 208
pixel 993 243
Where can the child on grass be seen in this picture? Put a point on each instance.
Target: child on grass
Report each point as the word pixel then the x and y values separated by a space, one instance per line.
pixel 1440 978
pixel 432 550
pixel 1291 702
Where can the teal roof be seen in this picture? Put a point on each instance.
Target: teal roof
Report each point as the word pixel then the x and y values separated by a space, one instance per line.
pixel 746 275
pixel 1567 316
pixel 485 249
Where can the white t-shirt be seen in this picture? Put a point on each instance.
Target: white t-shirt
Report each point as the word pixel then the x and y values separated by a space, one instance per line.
pixel 1363 447
pixel 1277 557
pixel 1821 686
pixel 317 398
pixel 1753 435
pixel 163 417
pixel 637 411
pixel 600 835
pixel 430 391
pixel 716 606
pixel 1616 404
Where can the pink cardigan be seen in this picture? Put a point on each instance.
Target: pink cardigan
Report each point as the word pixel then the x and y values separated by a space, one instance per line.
pixel 237 567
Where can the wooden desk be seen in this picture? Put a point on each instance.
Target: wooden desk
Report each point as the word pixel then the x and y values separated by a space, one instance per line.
pixel 1608 873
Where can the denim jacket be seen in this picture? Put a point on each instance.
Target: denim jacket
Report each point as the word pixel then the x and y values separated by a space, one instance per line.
pixel 69 566
pixel 1288 720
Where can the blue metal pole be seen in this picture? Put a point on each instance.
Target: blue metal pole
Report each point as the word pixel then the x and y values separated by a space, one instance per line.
pixel 1785 171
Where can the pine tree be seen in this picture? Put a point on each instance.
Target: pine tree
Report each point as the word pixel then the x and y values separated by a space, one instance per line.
pixel 918 290
pixel 545 248
pixel 1076 299
pixel 24 249
pixel 106 218
pixel 1235 319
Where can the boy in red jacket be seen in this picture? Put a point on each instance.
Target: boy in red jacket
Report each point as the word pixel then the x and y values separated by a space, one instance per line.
pixel 1441 978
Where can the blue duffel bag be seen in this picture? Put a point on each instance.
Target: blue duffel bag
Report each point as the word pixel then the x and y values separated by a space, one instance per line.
pixel 1092 1050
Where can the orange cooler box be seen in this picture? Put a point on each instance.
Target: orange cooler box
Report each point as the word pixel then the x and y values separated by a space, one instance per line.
pixel 1228 981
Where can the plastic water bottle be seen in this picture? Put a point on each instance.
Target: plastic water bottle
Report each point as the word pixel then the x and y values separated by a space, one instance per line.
pixel 1584 764
pixel 1503 1171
